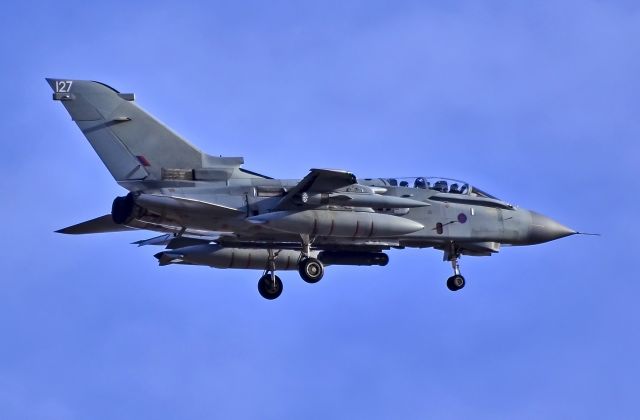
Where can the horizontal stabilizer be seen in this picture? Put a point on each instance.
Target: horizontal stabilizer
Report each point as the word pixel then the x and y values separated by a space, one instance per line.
pixel 102 224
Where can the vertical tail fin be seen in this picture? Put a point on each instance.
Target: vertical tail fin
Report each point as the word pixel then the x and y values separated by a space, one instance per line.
pixel 132 144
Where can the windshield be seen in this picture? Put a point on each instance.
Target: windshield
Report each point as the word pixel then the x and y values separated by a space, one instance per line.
pixel 440 184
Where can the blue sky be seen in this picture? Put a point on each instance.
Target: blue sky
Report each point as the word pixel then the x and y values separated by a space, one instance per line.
pixel 535 102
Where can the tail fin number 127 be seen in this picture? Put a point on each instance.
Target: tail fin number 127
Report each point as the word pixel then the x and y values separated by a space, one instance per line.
pixel 63 86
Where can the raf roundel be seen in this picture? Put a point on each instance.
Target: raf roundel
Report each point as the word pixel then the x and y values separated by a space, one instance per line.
pixel 462 218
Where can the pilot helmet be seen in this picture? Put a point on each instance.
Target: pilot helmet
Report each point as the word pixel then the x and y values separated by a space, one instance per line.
pixel 441 186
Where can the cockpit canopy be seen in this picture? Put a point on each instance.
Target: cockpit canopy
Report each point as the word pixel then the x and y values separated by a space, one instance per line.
pixel 443 185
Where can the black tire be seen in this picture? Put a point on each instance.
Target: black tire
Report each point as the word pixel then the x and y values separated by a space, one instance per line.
pixel 455 283
pixel 268 289
pixel 311 270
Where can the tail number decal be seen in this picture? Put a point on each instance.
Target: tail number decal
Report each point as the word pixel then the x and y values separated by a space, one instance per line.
pixel 63 86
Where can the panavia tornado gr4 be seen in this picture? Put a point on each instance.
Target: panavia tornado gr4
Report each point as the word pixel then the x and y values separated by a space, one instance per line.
pixel 213 212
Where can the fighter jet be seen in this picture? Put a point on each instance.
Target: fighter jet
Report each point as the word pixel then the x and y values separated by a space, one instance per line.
pixel 211 211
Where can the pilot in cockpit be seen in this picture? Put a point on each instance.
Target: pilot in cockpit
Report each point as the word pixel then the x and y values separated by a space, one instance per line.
pixel 441 186
pixel 453 189
pixel 421 183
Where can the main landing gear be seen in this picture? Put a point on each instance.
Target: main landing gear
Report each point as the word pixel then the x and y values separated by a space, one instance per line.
pixel 311 270
pixel 270 285
pixel 455 282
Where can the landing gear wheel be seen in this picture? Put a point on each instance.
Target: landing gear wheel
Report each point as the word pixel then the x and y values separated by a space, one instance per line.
pixel 455 283
pixel 311 270
pixel 268 288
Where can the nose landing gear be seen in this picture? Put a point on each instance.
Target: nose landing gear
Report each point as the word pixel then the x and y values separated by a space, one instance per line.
pixel 455 282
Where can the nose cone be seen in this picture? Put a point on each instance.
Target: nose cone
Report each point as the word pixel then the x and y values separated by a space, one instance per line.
pixel 545 229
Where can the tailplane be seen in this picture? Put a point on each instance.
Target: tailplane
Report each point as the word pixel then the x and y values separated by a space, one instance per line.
pixel 102 224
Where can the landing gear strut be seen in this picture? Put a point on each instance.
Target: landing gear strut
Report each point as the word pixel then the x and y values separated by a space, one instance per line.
pixel 455 282
pixel 311 269
pixel 270 285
